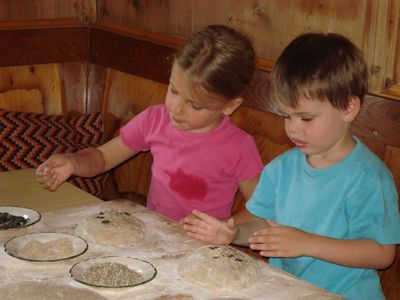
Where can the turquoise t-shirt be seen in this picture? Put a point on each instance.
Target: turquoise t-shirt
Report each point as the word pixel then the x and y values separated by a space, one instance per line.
pixel 353 199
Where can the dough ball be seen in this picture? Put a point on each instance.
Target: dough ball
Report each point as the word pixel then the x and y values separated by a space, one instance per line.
pixel 111 228
pixel 219 268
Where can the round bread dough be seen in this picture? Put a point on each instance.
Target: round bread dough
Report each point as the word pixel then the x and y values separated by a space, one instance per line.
pixel 39 291
pixel 219 268
pixel 111 228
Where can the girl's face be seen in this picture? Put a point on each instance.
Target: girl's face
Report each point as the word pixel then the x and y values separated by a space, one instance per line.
pixel 319 130
pixel 191 112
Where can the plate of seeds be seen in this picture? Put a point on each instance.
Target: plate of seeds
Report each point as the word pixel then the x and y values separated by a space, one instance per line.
pixel 45 246
pixel 16 217
pixel 113 272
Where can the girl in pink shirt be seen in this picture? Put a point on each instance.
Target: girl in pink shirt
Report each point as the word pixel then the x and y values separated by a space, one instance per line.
pixel 200 159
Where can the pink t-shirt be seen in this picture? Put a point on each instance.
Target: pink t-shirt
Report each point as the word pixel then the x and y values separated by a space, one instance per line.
pixel 192 170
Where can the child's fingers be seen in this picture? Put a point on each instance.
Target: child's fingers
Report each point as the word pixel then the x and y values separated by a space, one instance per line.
pixel 203 216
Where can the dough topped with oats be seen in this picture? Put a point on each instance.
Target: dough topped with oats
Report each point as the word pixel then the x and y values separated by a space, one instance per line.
pixel 111 228
pixel 219 268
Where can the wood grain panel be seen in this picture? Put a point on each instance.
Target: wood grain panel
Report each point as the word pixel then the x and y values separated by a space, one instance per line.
pixel 129 55
pixel 74 87
pixel 379 120
pixel 22 100
pixel 46 78
pixel 42 46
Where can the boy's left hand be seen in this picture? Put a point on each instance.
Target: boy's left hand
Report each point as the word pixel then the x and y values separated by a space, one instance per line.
pixel 280 241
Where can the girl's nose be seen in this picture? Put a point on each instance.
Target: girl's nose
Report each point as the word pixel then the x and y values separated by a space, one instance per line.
pixel 179 108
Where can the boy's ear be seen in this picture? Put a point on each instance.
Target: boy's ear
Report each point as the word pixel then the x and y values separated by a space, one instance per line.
pixel 353 109
pixel 232 106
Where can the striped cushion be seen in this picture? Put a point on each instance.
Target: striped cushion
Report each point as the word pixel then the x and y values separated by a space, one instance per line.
pixel 28 139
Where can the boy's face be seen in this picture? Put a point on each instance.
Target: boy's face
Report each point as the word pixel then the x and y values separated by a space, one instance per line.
pixel 188 111
pixel 319 130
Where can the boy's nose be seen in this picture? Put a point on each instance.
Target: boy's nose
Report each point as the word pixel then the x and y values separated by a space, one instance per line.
pixel 292 127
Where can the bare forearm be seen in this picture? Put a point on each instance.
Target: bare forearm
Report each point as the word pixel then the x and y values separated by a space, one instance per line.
pixel 351 253
pixel 88 162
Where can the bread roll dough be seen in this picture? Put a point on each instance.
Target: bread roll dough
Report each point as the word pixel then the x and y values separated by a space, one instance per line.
pixel 111 228
pixel 219 268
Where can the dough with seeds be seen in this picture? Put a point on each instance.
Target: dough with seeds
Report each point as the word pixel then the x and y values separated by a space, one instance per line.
pixel 111 228
pixel 219 268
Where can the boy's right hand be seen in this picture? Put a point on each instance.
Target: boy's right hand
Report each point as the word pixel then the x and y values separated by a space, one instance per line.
pixel 208 229
pixel 54 171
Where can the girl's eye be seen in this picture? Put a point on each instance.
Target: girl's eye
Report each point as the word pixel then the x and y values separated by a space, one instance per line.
pixel 174 91
pixel 196 107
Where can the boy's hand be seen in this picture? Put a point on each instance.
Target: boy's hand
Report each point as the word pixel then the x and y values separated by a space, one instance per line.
pixel 54 171
pixel 205 228
pixel 281 241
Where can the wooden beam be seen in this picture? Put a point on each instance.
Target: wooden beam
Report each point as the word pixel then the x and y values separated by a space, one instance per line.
pixel 44 45
pixel 133 56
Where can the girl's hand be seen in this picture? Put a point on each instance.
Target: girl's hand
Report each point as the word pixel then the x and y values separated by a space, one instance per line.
pixel 208 229
pixel 54 171
pixel 281 241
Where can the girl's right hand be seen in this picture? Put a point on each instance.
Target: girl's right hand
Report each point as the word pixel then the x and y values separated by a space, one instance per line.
pixel 208 229
pixel 54 171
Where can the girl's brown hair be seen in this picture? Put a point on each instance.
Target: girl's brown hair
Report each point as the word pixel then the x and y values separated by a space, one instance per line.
pixel 219 60
pixel 322 67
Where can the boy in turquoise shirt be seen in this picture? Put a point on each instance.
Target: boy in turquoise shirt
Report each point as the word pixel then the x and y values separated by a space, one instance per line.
pixel 330 203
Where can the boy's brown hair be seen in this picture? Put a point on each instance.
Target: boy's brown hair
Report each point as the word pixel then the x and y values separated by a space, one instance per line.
pixel 321 67
pixel 219 60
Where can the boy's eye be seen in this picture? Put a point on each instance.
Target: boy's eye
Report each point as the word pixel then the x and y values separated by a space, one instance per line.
pixel 306 119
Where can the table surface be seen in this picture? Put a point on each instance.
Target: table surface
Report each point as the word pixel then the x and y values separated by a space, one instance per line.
pixel 164 245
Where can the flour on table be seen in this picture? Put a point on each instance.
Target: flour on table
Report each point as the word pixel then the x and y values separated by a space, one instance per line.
pixel 111 228
pixel 39 291
pixel 219 268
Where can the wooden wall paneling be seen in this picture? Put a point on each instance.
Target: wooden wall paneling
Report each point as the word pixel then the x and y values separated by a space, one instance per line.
pixel 42 46
pixel 38 9
pixel 22 100
pixel 230 13
pixel 380 40
pixel 379 120
pixel 46 78
pixel 163 17
pixel 96 77
pixel 130 55
pixel 74 87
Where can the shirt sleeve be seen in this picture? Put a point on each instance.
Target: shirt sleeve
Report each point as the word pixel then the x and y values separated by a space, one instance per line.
pixel 262 201
pixel 249 163
pixel 134 133
pixel 373 211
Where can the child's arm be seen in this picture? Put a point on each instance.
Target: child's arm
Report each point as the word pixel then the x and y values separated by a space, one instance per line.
pixel 246 187
pixel 206 228
pixel 88 162
pixel 284 241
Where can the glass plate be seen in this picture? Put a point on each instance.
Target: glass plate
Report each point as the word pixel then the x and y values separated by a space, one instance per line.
pixel 45 246
pixel 106 274
pixel 31 216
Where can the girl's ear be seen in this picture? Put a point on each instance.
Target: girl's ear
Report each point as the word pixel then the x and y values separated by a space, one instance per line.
pixel 232 106
pixel 353 109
